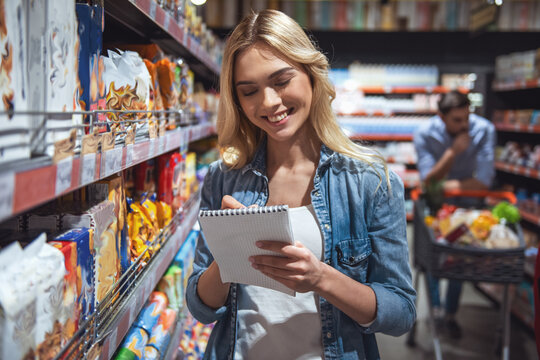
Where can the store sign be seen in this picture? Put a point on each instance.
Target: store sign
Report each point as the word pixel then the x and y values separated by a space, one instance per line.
pixel 483 16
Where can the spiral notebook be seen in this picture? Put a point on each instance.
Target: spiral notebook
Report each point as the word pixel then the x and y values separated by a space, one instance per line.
pixel 231 235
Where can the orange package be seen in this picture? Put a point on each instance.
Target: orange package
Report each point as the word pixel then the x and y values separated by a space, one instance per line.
pixel 169 93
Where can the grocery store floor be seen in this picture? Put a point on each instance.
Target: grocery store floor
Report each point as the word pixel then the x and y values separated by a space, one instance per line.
pixel 479 319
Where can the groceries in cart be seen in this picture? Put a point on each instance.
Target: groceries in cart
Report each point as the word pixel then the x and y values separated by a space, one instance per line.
pixel 489 229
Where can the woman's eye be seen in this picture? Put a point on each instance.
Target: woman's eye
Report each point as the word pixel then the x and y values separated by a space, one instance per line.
pixel 249 93
pixel 283 83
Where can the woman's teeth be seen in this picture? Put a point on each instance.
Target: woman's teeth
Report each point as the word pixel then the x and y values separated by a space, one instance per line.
pixel 278 118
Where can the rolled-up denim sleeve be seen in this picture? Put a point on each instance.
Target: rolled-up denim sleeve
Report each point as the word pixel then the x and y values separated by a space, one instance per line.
pixel 203 259
pixel 425 159
pixel 485 168
pixel 389 270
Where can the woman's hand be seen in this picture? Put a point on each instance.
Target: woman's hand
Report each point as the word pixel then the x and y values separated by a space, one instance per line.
pixel 294 266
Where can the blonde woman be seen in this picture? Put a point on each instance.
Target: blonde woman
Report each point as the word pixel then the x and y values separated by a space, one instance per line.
pixel 282 145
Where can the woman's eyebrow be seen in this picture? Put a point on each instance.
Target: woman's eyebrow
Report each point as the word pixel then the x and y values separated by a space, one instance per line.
pixel 271 76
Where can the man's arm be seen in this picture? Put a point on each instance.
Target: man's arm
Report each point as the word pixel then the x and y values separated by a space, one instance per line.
pixel 444 164
pixel 465 184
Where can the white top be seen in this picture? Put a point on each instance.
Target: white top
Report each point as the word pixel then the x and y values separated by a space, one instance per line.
pixel 274 325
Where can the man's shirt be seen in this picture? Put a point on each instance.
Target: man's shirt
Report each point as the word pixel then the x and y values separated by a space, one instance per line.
pixel 431 140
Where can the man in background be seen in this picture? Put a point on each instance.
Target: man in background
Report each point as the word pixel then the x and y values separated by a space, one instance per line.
pixel 456 148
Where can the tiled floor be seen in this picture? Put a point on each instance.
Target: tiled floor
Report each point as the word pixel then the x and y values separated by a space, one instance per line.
pixel 479 320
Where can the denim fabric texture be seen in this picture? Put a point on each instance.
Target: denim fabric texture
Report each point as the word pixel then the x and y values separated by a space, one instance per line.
pixel 364 229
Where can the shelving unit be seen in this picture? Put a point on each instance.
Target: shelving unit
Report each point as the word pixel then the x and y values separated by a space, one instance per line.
pixel 28 189
pixel 513 124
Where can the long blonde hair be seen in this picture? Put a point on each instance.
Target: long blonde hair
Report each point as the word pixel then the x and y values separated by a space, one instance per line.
pixel 237 136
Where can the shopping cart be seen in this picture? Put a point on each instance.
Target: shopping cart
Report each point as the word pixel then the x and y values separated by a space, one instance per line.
pixel 467 263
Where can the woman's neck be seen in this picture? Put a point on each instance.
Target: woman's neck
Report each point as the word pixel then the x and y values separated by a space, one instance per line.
pixel 304 149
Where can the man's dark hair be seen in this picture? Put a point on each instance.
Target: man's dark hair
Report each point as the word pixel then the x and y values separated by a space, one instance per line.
pixel 453 100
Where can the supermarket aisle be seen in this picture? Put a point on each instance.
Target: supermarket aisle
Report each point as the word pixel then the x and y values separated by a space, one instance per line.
pixel 479 319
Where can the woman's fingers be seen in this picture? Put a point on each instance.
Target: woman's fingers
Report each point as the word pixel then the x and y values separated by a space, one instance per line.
pixel 228 202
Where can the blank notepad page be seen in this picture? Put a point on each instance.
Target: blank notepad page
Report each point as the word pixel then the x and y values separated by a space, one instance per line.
pixel 231 235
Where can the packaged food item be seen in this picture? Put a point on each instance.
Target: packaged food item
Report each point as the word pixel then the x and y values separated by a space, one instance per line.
pixel 61 75
pixel 176 273
pixel 161 333
pixel 149 315
pixel 84 271
pixel 165 173
pixel 90 30
pixel 169 93
pixel 133 345
pixel 113 190
pixel 167 285
pixel 14 83
pixel 102 220
pixel 145 178
pixel 127 87
pixel 178 183
pixel 164 212
pixel 17 304
pixel 48 280
pixel 151 353
pixel 191 184
pixel 70 316
pixel 184 257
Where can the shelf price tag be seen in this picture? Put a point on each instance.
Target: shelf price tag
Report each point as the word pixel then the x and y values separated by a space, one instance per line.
pixel 63 175
pixel 111 162
pixel 112 341
pixel 129 155
pixel 88 168
pixel 161 145
pixel 7 187
pixel 166 22
pixel 152 150
pixel 152 10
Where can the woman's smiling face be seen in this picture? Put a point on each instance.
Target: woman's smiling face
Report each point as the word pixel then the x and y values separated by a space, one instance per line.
pixel 274 93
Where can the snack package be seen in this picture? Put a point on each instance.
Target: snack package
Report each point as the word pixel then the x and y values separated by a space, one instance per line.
pixel 166 74
pixel 191 185
pixel 70 316
pixel 186 254
pixel 48 279
pixel 178 184
pixel 165 173
pixel 156 102
pixel 161 333
pixel 149 315
pixel 61 73
pixel 113 190
pixel 167 285
pixel 164 213
pixel 102 220
pixel 151 353
pixel 176 273
pixel 14 83
pixel 144 178
pixel 133 345
pixel 127 87
pixel 17 304
pixel 84 271
pixel 90 29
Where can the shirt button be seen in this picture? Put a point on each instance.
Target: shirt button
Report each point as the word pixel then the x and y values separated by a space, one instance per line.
pixel 327 227
pixel 316 193
pixel 329 334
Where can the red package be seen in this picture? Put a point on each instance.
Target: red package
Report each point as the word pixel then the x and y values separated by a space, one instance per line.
pixel 165 178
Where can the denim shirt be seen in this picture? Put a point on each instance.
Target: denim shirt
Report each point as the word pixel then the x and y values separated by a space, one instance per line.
pixel 364 229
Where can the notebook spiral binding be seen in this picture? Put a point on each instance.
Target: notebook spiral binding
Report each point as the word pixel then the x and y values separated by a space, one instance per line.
pixel 244 211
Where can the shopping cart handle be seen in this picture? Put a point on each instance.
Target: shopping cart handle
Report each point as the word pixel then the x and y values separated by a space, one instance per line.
pixel 506 195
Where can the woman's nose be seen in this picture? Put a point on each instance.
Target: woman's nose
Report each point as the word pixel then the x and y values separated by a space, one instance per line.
pixel 270 98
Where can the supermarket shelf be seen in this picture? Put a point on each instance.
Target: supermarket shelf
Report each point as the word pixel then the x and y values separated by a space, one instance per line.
pixel 382 137
pixel 25 189
pixel 148 20
pixel 114 331
pixel 530 128
pixel 530 217
pixel 516 85
pixel 517 169
pixel 407 89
